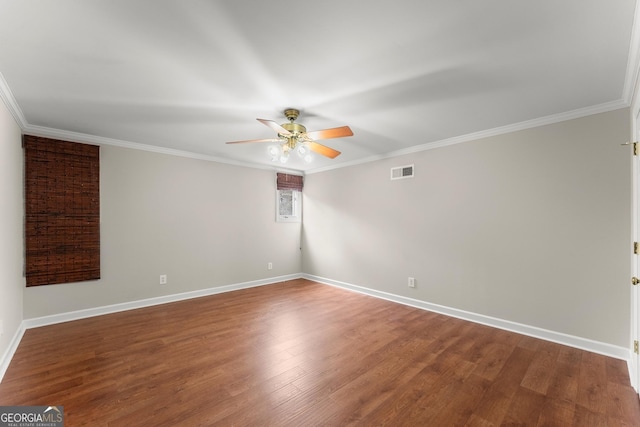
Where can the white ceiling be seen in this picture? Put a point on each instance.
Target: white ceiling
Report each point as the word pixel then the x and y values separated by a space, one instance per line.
pixel 404 75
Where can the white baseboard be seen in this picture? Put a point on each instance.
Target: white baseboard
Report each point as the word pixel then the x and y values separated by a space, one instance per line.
pixel 115 308
pixel 557 337
pixel 11 350
pixel 532 331
pixel 633 373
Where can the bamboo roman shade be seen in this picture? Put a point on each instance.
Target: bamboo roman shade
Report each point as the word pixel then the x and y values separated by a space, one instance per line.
pixel 62 211
pixel 288 182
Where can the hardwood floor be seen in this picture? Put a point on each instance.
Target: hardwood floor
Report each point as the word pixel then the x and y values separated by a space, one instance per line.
pixel 300 353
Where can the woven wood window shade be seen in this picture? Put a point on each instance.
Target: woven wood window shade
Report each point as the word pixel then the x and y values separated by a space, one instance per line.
pixel 62 211
pixel 284 181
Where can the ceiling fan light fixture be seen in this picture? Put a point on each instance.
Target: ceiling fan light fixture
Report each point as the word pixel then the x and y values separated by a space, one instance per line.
pixel 304 152
pixel 275 151
pixel 294 136
pixel 284 156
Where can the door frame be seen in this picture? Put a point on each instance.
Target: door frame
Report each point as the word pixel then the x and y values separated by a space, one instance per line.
pixel 631 92
pixel 634 365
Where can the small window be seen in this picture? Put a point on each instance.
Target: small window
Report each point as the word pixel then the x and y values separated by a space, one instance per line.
pixel 288 205
pixel 288 197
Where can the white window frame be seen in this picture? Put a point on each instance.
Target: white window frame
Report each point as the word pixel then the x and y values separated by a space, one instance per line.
pixel 296 215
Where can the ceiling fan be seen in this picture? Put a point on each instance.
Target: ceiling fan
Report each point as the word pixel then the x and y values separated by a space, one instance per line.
pixel 294 137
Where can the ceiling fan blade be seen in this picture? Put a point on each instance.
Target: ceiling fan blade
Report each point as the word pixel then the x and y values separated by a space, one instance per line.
pixel 256 140
pixel 324 150
pixel 330 133
pixel 273 125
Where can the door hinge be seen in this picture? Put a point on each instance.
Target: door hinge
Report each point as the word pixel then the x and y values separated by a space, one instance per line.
pixel 635 248
pixel 635 147
pixel 636 347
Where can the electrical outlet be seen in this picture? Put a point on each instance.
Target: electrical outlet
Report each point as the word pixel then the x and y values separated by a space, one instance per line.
pixel 163 279
pixel 411 282
pixel 270 266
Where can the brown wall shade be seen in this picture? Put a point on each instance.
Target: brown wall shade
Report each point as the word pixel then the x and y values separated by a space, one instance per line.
pixel 285 181
pixel 62 211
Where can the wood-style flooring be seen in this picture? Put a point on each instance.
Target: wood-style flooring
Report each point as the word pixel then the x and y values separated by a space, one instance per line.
pixel 299 353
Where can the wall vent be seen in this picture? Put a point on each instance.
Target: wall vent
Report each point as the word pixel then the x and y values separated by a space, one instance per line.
pixel 402 172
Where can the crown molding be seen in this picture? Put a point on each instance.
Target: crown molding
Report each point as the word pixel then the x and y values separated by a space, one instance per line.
pixel 99 140
pixel 7 96
pixel 10 101
pixel 633 59
pixel 528 124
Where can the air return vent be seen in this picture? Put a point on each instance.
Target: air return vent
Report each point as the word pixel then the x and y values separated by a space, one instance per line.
pixel 402 172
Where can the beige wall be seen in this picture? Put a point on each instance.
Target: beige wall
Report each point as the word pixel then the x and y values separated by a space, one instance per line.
pixel 11 218
pixel 531 227
pixel 203 224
